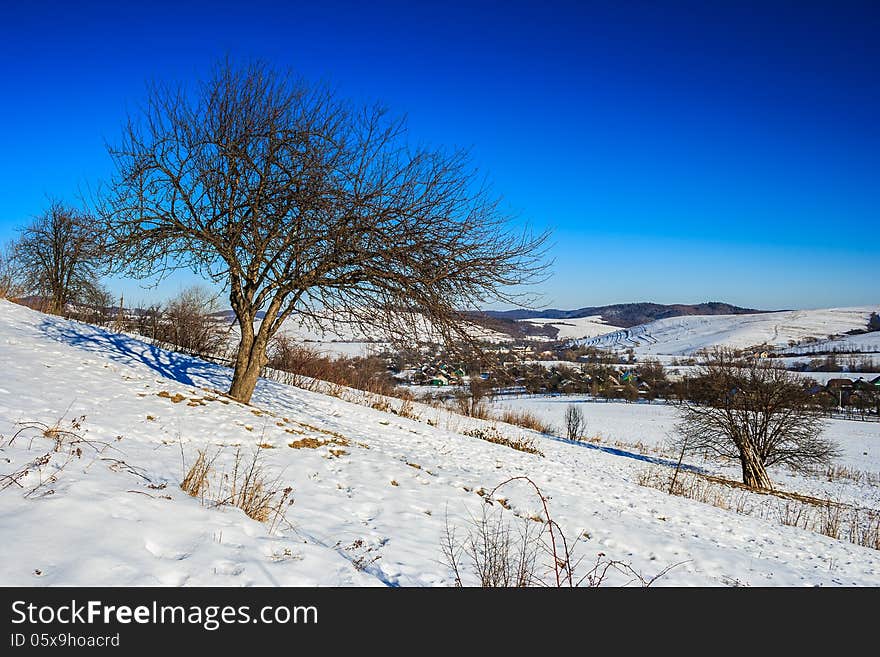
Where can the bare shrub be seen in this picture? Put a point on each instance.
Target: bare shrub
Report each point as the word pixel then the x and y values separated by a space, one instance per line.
pixel 574 422
pixel 471 399
pixel 407 410
pixel 865 528
pixel 308 368
pixel 830 520
pixel 500 557
pixel 187 323
pixel 794 514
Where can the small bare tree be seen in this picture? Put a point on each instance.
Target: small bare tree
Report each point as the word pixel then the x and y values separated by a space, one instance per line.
pixel 300 204
pixel 471 400
pixel 59 255
pixel 755 412
pixel 574 422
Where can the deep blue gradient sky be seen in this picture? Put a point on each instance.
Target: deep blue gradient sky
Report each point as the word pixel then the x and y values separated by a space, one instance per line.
pixel 680 151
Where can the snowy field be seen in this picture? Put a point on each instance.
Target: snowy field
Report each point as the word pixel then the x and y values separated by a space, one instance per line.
pixel 647 429
pixel 654 423
pixel 372 491
pixel 680 336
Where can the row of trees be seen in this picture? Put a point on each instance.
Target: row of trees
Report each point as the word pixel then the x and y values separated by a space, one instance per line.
pixel 292 201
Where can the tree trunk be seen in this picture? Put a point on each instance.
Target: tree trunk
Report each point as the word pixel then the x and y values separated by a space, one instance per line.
pixel 244 380
pixel 754 473
pixel 248 363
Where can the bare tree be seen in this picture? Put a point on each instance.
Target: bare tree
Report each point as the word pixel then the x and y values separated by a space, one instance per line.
pixel 300 204
pixel 59 255
pixel 574 422
pixel 99 305
pixel 471 399
pixel 10 275
pixel 755 412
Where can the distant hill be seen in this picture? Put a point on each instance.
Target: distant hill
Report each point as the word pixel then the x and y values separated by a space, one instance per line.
pixel 626 315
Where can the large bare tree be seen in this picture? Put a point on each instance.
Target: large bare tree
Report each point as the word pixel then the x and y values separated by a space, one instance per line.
pixel 59 256
pixel 755 412
pixel 300 204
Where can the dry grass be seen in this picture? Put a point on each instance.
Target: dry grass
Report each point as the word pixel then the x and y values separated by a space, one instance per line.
pixel 195 482
pixel 176 398
pixel 309 442
pixel 492 435
pixel 831 518
pixel 68 442
pixel 837 472
pixel 407 410
pixel 524 419
pixel 247 486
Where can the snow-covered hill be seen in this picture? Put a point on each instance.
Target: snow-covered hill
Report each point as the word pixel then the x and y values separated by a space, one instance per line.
pixel 689 334
pixel 582 327
pixel 372 490
pixel 846 344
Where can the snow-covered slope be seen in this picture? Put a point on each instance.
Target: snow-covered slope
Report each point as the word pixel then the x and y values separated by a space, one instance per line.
pixel 582 327
pixel 689 334
pixel 862 343
pixel 371 499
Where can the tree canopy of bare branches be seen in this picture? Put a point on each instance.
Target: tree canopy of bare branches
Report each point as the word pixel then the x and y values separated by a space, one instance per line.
pixel 59 256
pixel 755 412
pixel 10 274
pixel 300 204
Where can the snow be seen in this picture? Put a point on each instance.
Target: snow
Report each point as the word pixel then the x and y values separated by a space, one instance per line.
pixel 582 327
pixel 861 343
pixel 654 423
pixel 115 515
pixel 679 336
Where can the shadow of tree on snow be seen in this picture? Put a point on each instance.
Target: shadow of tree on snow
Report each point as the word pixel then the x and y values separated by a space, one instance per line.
pixel 127 350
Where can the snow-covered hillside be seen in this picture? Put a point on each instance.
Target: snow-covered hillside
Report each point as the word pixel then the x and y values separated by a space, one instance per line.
pixel 846 344
pixel 582 327
pixel 372 490
pixel 689 334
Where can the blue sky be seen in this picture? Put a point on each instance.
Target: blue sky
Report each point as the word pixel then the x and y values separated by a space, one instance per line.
pixel 679 151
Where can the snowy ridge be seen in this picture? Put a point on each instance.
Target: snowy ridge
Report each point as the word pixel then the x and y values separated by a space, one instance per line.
pixel 372 513
pixel 688 334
